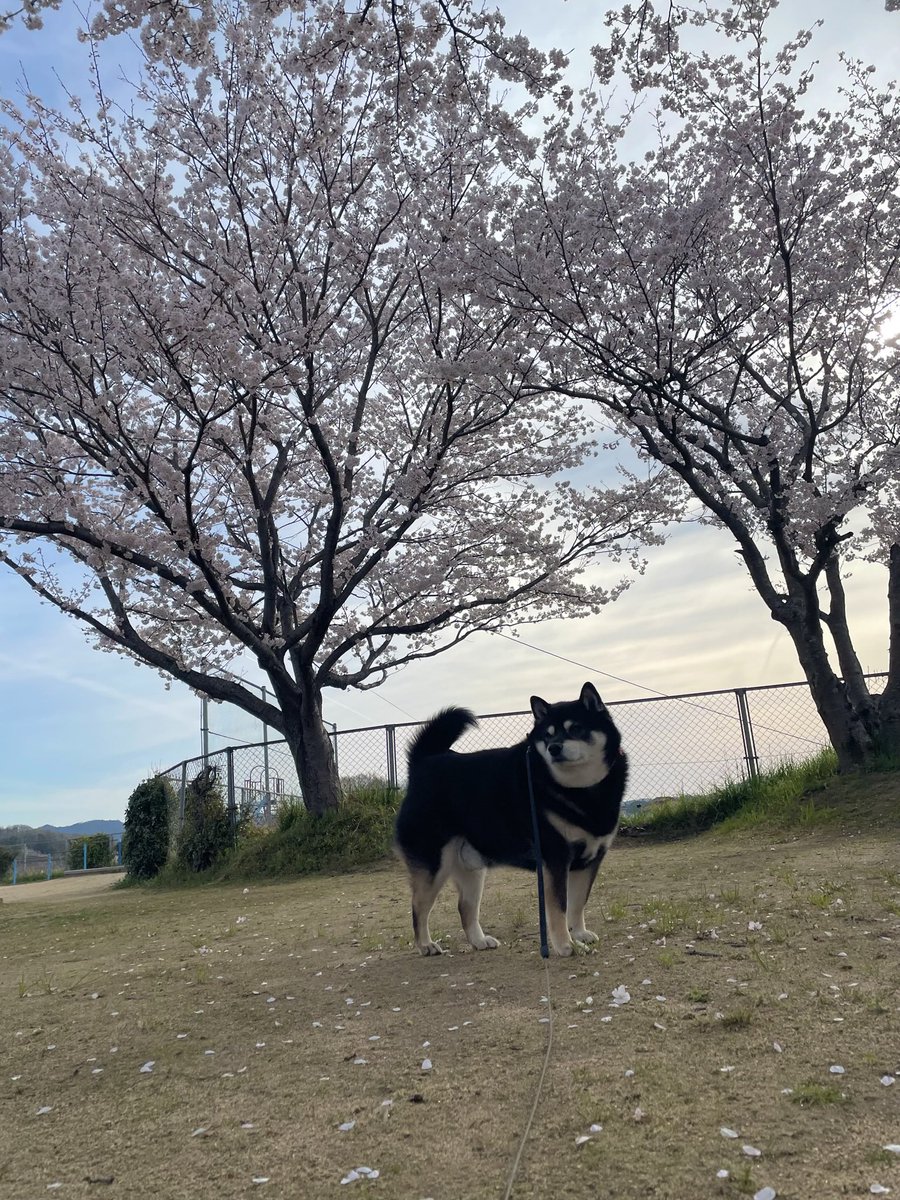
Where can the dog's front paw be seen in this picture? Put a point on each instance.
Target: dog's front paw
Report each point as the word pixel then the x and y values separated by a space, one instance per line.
pixel 585 935
pixel 486 942
pixel 565 950
pixel 430 948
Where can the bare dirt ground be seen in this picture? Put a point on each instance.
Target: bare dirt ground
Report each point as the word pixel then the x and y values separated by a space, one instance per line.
pixel 222 1042
pixel 65 890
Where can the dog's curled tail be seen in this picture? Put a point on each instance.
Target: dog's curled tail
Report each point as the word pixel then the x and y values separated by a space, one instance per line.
pixel 440 733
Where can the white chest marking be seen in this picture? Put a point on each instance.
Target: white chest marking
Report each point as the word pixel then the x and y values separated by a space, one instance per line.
pixel 574 833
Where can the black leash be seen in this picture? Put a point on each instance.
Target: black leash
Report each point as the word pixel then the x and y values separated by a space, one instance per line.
pixel 542 910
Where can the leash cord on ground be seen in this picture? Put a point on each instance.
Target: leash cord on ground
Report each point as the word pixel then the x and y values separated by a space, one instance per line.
pixel 545 954
pixel 542 908
pixel 540 1087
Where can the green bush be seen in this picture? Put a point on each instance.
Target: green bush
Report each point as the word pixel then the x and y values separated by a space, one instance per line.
pixel 360 831
pixel 7 858
pixel 99 851
pixel 206 833
pixel 145 840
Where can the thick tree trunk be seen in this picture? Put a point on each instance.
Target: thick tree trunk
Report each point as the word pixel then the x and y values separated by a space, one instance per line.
pixel 851 669
pixel 889 706
pixel 310 745
pixel 847 729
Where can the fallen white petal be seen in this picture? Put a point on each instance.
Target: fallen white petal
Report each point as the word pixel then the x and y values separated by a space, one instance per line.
pixel 836 1070
pixel 887 1080
pixel 581 1139
pixel 726 1132
pixel 45 1109
pixel 347 1126
pixel 596 1128
pixel 777 1047
pixel 360 1173
pixel 878 1189
pixel 260 1178
pixel 148 1067
pixel 766 1193
pixel 723 1174
pixel 199 1132
pixel 751 1151
pixel 892 1148
pixel 426 1064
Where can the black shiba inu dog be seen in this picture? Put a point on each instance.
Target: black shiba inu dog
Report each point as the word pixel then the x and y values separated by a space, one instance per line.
pixel 463 813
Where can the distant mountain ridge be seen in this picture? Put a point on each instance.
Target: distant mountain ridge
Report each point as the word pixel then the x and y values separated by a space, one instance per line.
pixel 85 828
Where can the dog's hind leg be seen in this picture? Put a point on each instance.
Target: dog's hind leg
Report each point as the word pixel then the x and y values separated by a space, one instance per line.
pixel 579 888
pixel 425 887
pixel 470 884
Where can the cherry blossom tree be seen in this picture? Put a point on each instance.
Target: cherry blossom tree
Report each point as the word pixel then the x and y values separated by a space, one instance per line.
pixel 252 403
pixel 726 301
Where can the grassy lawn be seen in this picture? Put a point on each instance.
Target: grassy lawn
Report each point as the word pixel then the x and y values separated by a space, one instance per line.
pixel 756 962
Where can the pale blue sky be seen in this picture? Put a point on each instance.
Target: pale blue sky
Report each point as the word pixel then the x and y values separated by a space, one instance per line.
pixel 81 728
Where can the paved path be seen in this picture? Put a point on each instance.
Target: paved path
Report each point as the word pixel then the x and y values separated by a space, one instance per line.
pixel 74 887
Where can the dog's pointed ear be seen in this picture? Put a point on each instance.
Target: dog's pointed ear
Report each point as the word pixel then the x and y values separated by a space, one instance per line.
pixel 590 698
pixel 539 708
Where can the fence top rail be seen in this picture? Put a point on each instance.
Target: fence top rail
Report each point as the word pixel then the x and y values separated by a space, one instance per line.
pixel 184 764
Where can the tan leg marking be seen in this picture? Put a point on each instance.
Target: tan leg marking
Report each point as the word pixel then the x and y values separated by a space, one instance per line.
pixel 470 884
pixel 580 883
pixel 425 888
pixel 557 928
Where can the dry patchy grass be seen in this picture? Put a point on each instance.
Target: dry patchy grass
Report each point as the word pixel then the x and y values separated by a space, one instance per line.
pixel 255 1008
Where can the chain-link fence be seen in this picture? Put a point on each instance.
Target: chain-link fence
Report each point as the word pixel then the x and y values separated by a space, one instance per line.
pixel 675 745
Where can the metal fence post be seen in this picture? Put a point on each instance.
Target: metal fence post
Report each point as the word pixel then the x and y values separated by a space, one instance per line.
pixel 49 866
pixel 390 738
pixel 229 783
pixel 15 869
pixel 750 756
pixel 182 796
pixel 84 854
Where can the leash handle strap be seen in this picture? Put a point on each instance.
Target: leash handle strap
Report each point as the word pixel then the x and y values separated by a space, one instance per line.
pixel 542 908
